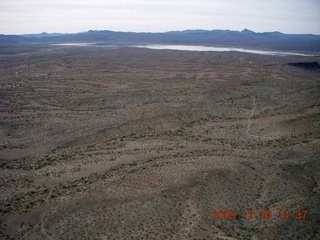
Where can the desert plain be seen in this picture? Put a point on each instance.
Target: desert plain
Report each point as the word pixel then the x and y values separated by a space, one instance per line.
pixel 132 143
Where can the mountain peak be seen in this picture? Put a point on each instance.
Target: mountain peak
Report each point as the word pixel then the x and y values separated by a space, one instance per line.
pixel 247 31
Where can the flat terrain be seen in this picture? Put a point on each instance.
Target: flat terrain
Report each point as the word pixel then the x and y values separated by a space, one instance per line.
pixel 124 143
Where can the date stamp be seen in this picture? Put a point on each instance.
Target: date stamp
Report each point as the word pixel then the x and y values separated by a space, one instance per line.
pixel 262 214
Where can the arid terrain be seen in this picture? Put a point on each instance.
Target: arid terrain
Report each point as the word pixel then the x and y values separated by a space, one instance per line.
pixel 127 143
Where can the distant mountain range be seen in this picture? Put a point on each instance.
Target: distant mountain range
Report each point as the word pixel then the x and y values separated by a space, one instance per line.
pixel 226 38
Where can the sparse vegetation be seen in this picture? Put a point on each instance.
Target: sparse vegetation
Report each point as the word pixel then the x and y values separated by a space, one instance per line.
pixel 140 144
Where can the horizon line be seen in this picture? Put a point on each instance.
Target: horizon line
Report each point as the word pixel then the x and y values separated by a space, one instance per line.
pixel 119 31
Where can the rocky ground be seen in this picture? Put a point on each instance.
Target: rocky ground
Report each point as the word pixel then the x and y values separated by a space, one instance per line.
pixel 123 143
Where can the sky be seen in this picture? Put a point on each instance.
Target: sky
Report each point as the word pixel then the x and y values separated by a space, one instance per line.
pixel 72 16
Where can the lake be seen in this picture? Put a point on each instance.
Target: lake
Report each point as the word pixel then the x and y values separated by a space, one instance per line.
pixel 218 49
pixel 189 48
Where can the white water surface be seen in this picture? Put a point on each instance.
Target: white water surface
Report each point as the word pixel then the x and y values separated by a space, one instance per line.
pixel 189 48
pixel 218 49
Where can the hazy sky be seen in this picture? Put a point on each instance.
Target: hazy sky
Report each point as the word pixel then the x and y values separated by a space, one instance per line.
pixel 35 16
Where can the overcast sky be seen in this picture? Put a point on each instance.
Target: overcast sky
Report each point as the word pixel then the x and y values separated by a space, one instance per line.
pixel 70 16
